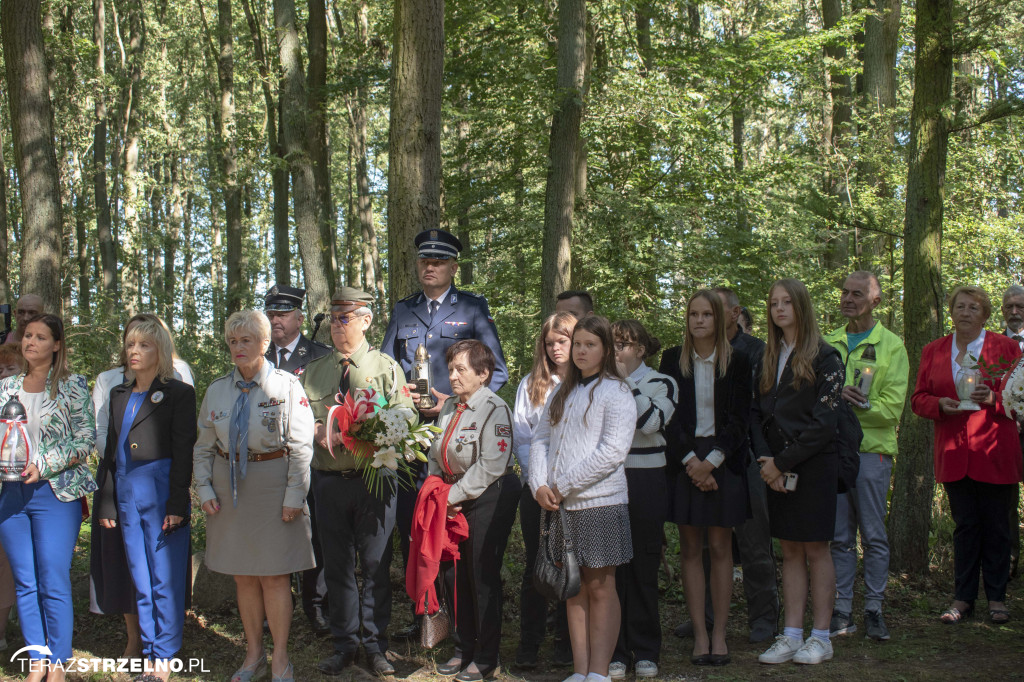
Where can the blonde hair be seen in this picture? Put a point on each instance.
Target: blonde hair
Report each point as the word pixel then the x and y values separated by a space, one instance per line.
pixel 977 293
pixel 252 321
pixel 808 338
pixel 723 349
pixel 544 368
pixel 122 360
pixel 149 330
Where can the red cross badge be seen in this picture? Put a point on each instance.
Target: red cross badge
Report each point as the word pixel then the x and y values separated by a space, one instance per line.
pixel 304 402
pixel 502 445
pixel 405 391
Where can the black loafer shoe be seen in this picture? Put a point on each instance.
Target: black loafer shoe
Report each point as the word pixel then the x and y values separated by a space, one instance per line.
pixel 380 664
pixel 336 664
pixel 720 659
pixel 452 667
pixel 467 676
pixel 410 633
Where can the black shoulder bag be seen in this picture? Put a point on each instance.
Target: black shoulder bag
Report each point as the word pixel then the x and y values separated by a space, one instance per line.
pixel 556 573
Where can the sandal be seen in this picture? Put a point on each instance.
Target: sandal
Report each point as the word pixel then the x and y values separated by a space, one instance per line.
pixel 953 615
pixel 999 616
pixel 254 671
pixel 288 676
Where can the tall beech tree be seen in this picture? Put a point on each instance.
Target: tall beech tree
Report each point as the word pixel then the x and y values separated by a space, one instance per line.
pixel 560 193
pixel 924 298
pixel 414 135
pixel 34 155
pixel 294 121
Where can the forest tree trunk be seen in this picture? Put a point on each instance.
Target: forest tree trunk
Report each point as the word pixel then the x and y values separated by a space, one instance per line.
pixel 923 301
pixel 296 153
pixel 237 292
pixel 34 155
pixel 560 193
pixel 414 169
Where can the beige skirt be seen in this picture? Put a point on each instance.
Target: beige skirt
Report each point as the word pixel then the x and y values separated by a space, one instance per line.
pixel 251 539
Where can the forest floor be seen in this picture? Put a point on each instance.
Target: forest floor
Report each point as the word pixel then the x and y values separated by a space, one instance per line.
pixel 921 647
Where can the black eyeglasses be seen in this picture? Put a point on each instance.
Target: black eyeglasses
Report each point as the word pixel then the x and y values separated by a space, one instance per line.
pixel 344 319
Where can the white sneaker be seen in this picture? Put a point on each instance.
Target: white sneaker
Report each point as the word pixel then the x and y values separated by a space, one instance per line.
pixel 646 669
pixel 781 651
pixel 616 670
pixel 575 677
pixel 594 677
pixel 814 651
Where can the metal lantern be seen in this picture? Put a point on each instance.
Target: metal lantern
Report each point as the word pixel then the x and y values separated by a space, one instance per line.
pixel 15 446
pixel 422 377
pixel 968 380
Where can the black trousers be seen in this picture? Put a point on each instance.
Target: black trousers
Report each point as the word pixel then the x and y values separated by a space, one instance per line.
pixel 356 526
pixel 981 539
pixel 478 572
pixel 314 590
pixel 637 581
pixel 533 608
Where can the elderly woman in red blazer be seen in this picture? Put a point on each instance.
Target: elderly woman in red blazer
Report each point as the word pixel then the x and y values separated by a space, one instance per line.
pixel 977 453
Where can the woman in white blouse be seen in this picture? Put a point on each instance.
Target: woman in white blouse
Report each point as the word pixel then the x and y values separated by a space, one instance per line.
pixel 708 435
pixel 551 361
pixel 577 467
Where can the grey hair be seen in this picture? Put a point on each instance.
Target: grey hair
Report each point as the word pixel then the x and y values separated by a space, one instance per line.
pixel 253 321
pixel 872 278
pixel 1013 290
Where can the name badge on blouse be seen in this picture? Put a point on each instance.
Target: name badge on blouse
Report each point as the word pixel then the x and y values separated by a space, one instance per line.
pixel 157 397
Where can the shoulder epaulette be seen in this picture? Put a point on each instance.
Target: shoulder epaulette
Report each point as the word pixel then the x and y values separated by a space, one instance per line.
pixel 410 297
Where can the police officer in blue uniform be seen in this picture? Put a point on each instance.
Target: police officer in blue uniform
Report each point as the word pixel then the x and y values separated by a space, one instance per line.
pixel 437 316
pixel 291 351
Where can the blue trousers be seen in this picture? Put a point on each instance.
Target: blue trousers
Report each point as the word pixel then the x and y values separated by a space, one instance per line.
pixel 39 533
pixel 158 562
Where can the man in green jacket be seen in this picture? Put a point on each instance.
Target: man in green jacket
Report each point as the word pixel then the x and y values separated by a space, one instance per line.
pixel 355 524
pixel 877 372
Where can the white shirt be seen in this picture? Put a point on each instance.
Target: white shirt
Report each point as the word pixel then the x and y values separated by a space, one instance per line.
pixel 525 416
pixel 289 349
pixel 784 354
pixel 33 403
pixel 704 387
pixel 973 350
pixel 1011 334
pixel 439 300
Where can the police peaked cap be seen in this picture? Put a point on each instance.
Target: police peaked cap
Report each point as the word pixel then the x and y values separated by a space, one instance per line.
pixel 283 298
pixel 438 244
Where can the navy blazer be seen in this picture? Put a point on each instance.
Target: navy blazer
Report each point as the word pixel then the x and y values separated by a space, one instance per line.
pixel 165 426
pixel 733 393
pixel 462 315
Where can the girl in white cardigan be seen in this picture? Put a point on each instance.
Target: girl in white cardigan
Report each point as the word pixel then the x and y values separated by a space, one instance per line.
pixel 577 465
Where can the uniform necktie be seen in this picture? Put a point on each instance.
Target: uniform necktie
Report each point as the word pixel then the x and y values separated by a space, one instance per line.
pixel 282 355
pixel 434 305
pixel 238 437
pixel 346 364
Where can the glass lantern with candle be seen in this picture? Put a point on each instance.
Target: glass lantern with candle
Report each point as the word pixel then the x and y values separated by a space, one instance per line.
pixel 968 380
pixel 864 374
pixel 14 446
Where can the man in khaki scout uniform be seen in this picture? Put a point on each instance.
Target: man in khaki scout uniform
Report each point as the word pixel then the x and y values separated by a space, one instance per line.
pixel 353 522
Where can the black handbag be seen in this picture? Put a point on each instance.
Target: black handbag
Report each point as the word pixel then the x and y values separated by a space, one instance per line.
pixel 556 573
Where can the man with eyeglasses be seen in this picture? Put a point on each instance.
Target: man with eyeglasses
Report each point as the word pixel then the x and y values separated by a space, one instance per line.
pixel 1013 315
pixel 354 523
pixel 436 317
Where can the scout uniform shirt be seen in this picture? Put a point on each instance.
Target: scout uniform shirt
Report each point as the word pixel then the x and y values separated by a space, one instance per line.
pixel 477 440
pixel 279 417
pixel 368 369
